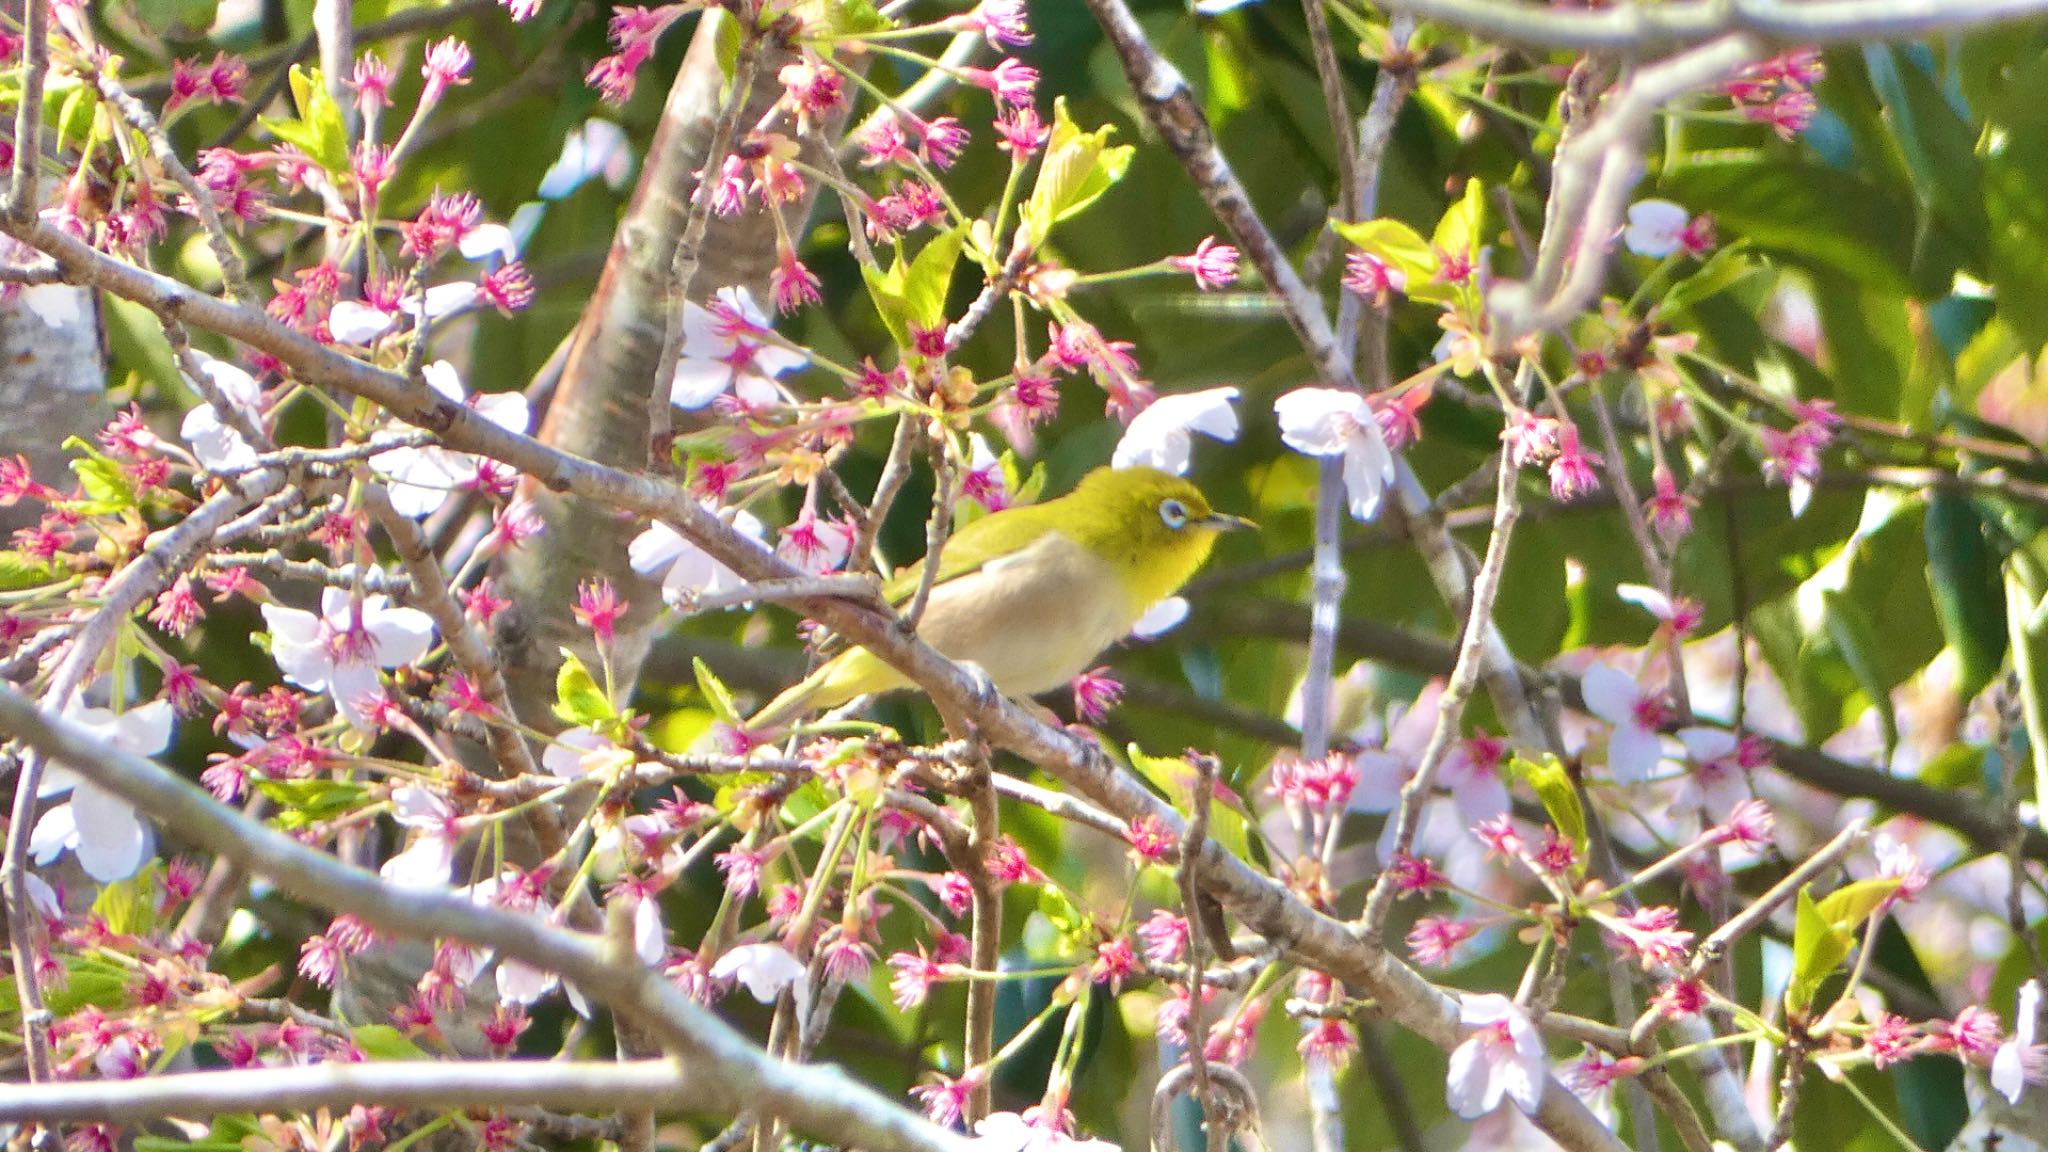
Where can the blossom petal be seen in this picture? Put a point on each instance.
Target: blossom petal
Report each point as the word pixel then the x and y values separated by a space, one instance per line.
pixel 353 322
pixel 217 445
pixel 765 969
pixel 1611 694
pixel 425 864
pixel 53 833
pixel 1161 618
pixel 112 842
pixel 399 635
pixel 1160 436
pixel 1633 752
pixel 1321 421
pixel 1654 228
pixel 698 381
pixel 1368 469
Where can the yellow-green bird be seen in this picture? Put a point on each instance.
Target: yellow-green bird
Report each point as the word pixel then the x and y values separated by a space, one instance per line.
pixel 1033 594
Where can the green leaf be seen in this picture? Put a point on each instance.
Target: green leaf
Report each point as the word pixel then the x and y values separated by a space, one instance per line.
pixel 129 906
pixel 715 692
pixel 1853 903
pixel 1077 169
pixel 319 131
pixel 1857 638
pixel 856 18
pixel 177 19
pixel 383 1042
pixel 1396 243
pixel 1963 578
pixel 106 486
pixel 1818 948
pixel 911 295
pixel 579 701
pixel 2030 661
pixel 1938 145
pixel 19 570
pixel 1555 791
pixel 1070 922
pixel 1460 231
pixel 310 801
pixel 1723 270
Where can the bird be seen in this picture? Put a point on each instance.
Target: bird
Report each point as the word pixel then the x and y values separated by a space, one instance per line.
pixel 1032 594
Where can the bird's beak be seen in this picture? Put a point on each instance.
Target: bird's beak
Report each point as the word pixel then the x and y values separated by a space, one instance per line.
pixel 1222 522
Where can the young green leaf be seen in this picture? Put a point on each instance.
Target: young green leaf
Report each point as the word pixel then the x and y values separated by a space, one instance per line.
pixel 1554 790
pixel 1078 168
pixel 578 699
pixel 715 692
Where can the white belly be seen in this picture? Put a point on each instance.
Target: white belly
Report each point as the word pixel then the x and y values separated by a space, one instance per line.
pixel 1054 605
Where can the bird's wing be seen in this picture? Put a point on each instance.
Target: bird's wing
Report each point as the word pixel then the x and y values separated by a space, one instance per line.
pixel 972 548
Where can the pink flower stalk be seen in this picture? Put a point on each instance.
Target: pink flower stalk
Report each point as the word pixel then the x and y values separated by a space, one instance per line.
pixel 1212 265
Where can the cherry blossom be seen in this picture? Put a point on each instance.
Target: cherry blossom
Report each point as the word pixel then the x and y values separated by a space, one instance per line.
pixel 428 860
pixel 685 570
pixel 1010 1132
pixel 1635 747
pixel 106 833
pixel 340 650
pixel 420 480
pixel 1502 1060
pixel 766 970
pixel 1161 436
pixel 1160 618
pixel 214 441
pixel 1656 228
pixel 1333 422
pixel 2019 1061
pixel 727 348
pixel 596 150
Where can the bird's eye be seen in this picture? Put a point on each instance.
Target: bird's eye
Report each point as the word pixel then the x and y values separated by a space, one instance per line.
pixel 1174 513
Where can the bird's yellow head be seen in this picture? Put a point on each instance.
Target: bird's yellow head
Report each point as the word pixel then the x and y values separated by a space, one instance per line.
pixel 1154 528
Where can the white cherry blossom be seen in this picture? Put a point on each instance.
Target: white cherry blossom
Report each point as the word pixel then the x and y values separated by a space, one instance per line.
pixel 1655 228
pixel 1635 747
pixel 340 650
pixel 1162 436
pixel 103 829
pixel 214 441
pixel 765 969
pixel 1327 422
pixel 686 570
pixel 2009 1065
pixel 420 480
pixel 726 349
pixel 1502 1060
pixel 430 858
pixel 597 149
pixel 1160 618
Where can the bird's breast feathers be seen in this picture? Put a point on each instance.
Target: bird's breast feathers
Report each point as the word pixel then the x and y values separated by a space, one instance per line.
pixel 1033 620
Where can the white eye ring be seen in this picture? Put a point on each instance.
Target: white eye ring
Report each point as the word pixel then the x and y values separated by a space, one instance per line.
pixel 1174 513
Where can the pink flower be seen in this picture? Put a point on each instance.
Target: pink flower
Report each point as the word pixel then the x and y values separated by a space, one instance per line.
pixel 1096 693
pixel 1150 839
pixel 1165 936
pixel 915 974
pixel 1502 1059
pixel 1001 22
pixel 1212 265
pixel 1668 510
pixel 1373 278
pixel 1653 935
pixel 1890 1040
pixel 1114 962
pixel 1328 1044
pixel 1012 81
pixel 1530 439
pixel 1434 940
pixel 1635 747
pixel 1022 132
pixel 1571 473
pixel 599 608
pixel 945 1100
pixel 447 63
pixel 792 284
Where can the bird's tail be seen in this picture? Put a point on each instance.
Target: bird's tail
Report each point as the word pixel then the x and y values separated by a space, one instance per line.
pixel 851 673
